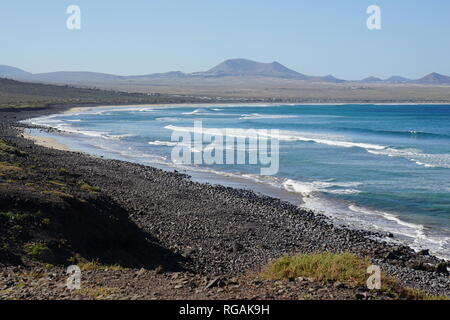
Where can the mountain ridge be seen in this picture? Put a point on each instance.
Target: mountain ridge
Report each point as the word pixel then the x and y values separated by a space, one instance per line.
pixel 433 78
pixel 229 68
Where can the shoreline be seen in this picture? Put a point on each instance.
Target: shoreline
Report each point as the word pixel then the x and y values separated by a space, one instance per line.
pixel 228 179
pixel 46 142
pixel 265 227
pixel 248 104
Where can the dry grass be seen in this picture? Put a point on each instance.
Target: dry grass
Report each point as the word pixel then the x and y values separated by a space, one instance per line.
pixel 6 167
pixel 343 267
pixel 87 187
pixel 95 265
pixel 324 267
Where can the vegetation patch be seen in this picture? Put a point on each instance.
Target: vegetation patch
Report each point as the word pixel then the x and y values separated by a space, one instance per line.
pixel 58 183
pixel 13 216
pixel 36 250
pixel 87 187
pixel 95 265
pixel 325 267
pixel 6 167
pixel 338 267
pixel 4 147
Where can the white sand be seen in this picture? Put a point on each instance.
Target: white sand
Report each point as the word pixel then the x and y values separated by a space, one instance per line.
pixel 46 142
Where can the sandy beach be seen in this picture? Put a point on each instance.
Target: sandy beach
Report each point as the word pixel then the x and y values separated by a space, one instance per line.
pixel 46 142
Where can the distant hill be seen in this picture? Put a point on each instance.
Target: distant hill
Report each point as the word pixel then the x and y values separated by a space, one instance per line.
pixel 238 69
pixel 371 80
pixel 397 79
pixel 172 74
pixel 244 67
pixel 434 78
pixel 73 77
pixel 328 78
pixel 26 94
pixel 12 72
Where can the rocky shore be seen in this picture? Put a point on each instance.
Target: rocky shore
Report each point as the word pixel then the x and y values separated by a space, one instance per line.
pixel 198 232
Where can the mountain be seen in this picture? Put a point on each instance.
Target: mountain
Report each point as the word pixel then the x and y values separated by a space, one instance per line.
pixel 397 79
pixel 328 78
pixel 74 77
pixel 434 78
pixel 371 80
pixel 244 67
pixel 12 72
pixel 165 75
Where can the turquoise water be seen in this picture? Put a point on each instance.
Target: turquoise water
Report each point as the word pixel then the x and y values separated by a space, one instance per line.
pixel 381 167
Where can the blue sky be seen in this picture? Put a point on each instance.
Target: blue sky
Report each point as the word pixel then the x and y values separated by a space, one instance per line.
pixel 145 36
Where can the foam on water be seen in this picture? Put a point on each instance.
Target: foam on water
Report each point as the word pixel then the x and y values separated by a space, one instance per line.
pixel 257 116
pixel 414 155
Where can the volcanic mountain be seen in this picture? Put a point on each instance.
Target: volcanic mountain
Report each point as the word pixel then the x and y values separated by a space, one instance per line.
pixel 244 67
pixel 434 78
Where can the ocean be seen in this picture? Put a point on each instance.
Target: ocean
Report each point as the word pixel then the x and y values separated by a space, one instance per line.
pixel 378 167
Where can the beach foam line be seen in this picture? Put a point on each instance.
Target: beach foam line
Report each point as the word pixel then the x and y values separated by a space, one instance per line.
pixel 283 136
pixel 428 160
pixel 351 214
pixel 308 188
pixel 207 113
pixel 257 116
pixel 64 125
pixel 414 155
pixel 405 133
pixel 196 111
pixel 206 147
pixel 169 119
pixel 391 217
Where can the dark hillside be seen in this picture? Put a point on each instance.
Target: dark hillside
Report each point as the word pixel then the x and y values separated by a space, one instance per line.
pixel 23 94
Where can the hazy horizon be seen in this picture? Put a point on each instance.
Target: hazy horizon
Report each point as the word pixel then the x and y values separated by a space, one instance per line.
pixel 320 38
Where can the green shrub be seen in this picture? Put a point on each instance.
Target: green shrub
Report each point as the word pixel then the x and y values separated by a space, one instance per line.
pixel 14 216
pixel 36 250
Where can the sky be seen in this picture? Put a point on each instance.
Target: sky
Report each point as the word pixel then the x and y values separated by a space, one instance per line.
pixel 317 37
